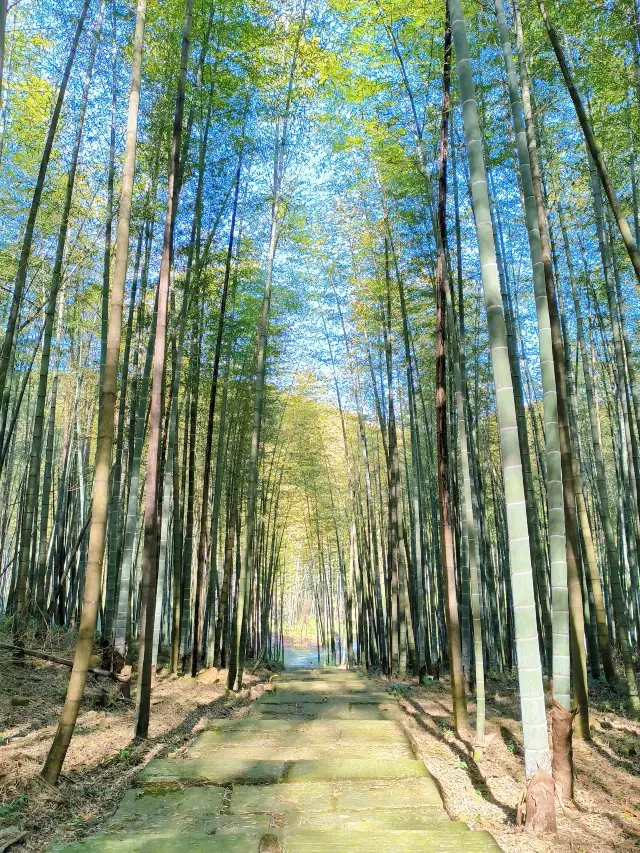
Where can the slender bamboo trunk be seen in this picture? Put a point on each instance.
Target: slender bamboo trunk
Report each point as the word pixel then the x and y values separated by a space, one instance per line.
pixel 592 145
pixel 28 525
pixel 236 664
pixel 560 632
pixel 461 721
pixel 393 487
pixel 179 483
pixel 469 499
pixel 137 429
pixel 204 511
pixel 114 544
pixel 108 222
pixel 150 549
pixel 27 240
pixel 563 768
pixel 596 587
pixel 41 567
pixel 536 747
pixel 187 556
pixel 93 581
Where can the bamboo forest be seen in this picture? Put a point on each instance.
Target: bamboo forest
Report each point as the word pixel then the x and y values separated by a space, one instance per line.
pixel 320 426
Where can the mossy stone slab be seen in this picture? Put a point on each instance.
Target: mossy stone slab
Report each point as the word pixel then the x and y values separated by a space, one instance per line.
pixel 327 710
pixel 355 731
pixel 163 773
pixel 323 770
pixel 290 696
pixel 395 794
pixel 388 841
pixel 364 821
pixel 344 685
pixel 317 674
pixel 349 680
pixel 223 841
pixel 283 798
pixel 296 749
pixel 269 730
pixel 249 724
pixel 142 811
pixel 352 795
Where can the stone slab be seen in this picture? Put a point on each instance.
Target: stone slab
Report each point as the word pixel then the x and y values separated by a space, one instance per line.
pixel 248 723
pixel 277 729
pixel 352 796
pixel 337 696
pixel 166 773
pixel 322 770
pixel 388 841
pixel 223 841
pixel 327 710
pixel 318 674
pixel 283 798
pixel 377 819
pixel 396 794
pixel 296 749
pixel 331 686
pixel 191 808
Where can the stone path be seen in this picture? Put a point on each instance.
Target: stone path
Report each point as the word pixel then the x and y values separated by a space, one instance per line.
pixel 320 765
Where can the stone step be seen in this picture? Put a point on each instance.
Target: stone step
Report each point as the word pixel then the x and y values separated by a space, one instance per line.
pixel 356 685
pixel 189 808
pixel 319 673
pixel 283 696
pixel 223 841
pixel 326 677
pixel 168 773
pixel 327 710
pixel 343 796
pixel 325 770
pixel 272 729
pixel 297 749
pixel 395 794
pixel 440 840
pixel 379 819
pixel 197 811
pixel 293 840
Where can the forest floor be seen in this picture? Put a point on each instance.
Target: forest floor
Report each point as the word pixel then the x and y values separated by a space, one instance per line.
pixel 485 793
pixel 103 757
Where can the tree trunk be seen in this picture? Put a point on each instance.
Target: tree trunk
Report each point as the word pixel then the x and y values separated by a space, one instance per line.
pixel 93 581
pixel 577 654
pixel 236 664
pixel 204 511
pixel 592 145
pixel 536 745
pixel 27 240
pixel 460 717
pixel 596 588
pixel 150 549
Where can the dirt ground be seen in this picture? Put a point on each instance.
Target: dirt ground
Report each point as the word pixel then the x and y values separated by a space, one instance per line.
pixel 103 757
pixel 485 793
